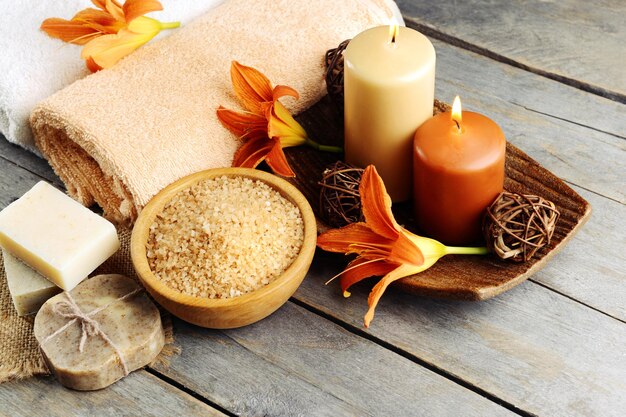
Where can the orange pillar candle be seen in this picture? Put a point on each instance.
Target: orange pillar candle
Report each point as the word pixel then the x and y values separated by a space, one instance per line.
pixel 458 170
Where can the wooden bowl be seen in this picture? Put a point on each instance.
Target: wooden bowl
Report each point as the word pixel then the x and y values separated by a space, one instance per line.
pixel 229 312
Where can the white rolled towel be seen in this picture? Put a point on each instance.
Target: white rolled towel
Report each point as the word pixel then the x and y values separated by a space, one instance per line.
pixel 33 66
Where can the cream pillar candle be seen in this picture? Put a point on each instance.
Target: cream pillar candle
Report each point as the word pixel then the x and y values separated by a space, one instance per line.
pixel 56 235
pixel 389 83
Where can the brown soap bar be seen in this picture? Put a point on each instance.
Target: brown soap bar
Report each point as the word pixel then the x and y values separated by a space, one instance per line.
pixel 120 329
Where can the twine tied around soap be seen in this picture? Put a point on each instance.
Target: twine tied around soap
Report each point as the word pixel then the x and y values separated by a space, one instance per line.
pixel 89 326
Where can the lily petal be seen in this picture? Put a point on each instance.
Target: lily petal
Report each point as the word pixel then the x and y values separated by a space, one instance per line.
pixel 101 4
pixel 376 204
pixel 135 8
pixel 94 17
pixel 283 90
pixel 91 65
pixel 254 91
pixel 401 272
pixel 405 251
pixel 283 126
pixel 145 26
pixel 114 8
pixel 251 87
pixel 353 238
pixel 361 268
pixel 68 30
pixel 277 160
pixel 107 50
pixel 430 248
pixel 253 152
pixel 242 124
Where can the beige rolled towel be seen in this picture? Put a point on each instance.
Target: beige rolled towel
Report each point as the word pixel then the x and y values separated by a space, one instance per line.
pixel 119 136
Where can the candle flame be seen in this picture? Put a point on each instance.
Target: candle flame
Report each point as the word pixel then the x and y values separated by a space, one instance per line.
pixel 394 29
pixel 457 113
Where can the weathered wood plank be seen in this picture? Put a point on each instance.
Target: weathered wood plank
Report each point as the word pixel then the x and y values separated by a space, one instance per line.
pixel 139 394
pixel 297 363
pixel 473 72
pixel 531 347
pixel 28 161
pixel 14 181
pixel 580 43
pixel 592 268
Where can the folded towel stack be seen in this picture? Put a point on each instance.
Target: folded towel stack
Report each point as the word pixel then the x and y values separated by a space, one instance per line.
pixel 34 66
pixel 121 135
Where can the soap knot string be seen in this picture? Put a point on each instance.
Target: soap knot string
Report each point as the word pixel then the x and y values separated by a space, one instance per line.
pixel 89 326
pixel 70 310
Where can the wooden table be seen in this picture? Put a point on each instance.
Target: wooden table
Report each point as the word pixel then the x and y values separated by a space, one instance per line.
pixel 551 73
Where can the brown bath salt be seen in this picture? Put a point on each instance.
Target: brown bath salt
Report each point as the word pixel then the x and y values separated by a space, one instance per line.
pixel 224 237
pixel 100 331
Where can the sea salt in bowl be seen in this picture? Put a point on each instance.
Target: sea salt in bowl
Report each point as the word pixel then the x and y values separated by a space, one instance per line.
pixel 218 280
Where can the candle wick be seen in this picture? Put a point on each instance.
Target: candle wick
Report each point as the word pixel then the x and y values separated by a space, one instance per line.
pixel 458 126
pixel 393 37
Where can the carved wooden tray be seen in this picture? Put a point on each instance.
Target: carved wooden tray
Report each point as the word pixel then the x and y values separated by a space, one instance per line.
pixel 453 277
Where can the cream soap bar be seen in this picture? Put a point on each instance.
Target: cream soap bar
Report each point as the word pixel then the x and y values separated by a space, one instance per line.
pixel 28 288
pixel 56 235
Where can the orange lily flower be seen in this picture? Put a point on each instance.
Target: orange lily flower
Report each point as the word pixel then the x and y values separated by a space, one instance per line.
pixel 383 247
pixel 105 51
pixel 266 127
pixel 123 27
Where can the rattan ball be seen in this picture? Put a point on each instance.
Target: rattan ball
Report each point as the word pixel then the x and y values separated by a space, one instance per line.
pixel 334 73
pixel 517 226
pixel 340 201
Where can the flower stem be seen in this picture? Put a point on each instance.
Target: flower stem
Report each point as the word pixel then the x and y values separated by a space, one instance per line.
pixel 324 148
pixel 169 25
pixel 457 250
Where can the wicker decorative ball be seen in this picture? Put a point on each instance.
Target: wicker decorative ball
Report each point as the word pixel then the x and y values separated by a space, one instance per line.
pixel 340 201
pixel 334 73
pixel 516 226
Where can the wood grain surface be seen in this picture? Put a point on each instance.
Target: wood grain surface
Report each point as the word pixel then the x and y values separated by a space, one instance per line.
pixel 28 161
pixel 530 347
pixel 138 395
pixel 294 363
pixel 14 181
pixel 576 42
